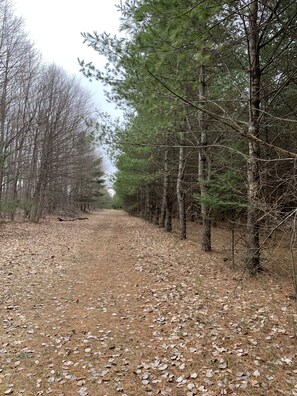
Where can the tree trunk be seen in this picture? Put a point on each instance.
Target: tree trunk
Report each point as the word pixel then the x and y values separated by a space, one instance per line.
pixel 203 165
pixel 179 190
pixel 253 227
pixel 168 217
pixel 39 197
pixel 157 215
pixel 165 192
pixel 3 114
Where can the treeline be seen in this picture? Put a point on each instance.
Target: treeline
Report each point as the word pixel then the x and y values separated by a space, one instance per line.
pixel 209 92
pixel 47 160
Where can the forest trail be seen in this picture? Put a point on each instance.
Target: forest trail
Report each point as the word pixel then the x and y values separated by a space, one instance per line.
pixel 115 306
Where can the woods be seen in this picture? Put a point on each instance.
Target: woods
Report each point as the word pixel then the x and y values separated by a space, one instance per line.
pixel 48 162
pixel 190 287
pixel 209 95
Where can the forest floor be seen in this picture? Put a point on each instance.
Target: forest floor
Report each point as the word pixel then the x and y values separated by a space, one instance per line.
pixel 115 306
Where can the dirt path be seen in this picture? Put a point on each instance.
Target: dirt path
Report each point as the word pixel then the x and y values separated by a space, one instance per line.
pixel 114 305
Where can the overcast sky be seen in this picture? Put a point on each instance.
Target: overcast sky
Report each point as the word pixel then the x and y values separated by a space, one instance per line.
pixel 55 27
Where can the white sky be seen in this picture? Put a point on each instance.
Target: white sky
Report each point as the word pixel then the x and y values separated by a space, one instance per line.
pixel 55 28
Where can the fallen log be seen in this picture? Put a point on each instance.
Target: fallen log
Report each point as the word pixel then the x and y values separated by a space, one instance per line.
pixel 77 218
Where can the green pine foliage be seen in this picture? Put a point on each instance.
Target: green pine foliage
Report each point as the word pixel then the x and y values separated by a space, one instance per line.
pixel 153 75
pixel 224 197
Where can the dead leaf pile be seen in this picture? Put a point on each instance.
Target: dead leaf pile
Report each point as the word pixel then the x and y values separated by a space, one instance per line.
pixel 117 306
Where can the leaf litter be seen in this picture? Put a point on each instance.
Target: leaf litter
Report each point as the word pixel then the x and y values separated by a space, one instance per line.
pixel 117 306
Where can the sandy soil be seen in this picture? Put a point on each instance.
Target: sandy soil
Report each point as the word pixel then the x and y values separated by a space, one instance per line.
pixel 115 306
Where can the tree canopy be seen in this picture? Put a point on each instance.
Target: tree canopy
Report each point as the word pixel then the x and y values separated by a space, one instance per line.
pixel 48 161
pixel 208 89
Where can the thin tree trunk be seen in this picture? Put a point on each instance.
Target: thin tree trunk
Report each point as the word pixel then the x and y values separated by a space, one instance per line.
pixel 147 206
pixel 151 204
pixel 39 197
pixel 165 192
pixel 40 192
pixel 157 215
pixel 253 226
pixel 203 165
pixel 179 190
pixel 168 217
pixel 3 111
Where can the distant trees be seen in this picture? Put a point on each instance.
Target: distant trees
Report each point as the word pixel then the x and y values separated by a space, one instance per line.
pixel 210 91
pixel 46 151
